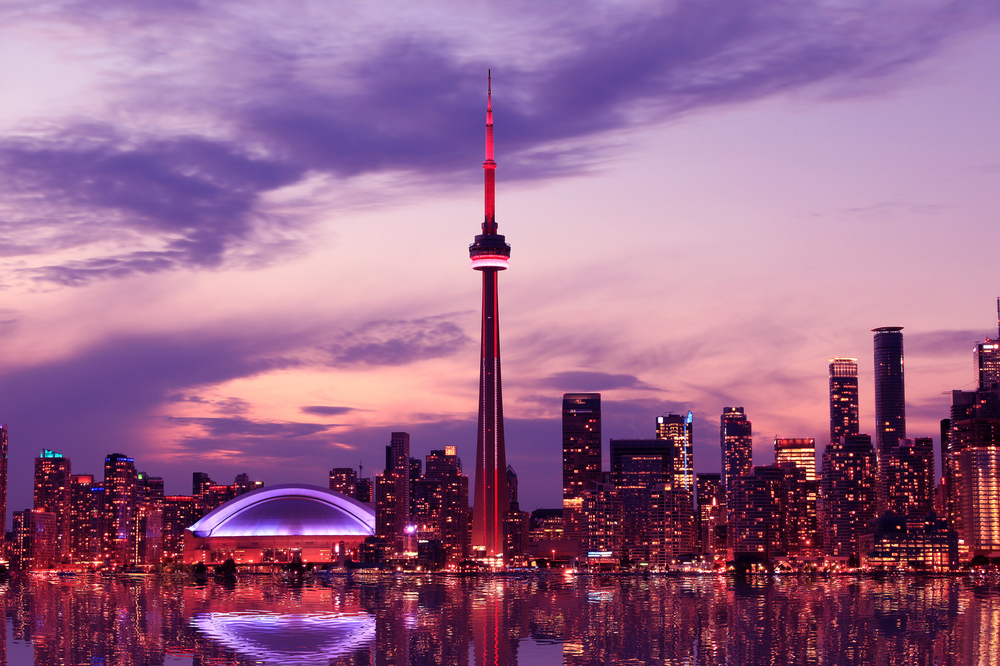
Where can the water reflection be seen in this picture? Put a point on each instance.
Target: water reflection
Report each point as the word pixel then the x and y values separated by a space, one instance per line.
pixel 490 622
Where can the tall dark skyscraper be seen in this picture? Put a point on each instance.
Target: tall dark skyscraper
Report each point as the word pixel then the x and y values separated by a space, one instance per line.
pixel 3 475
pixel 581 423
pixel 737 444
pixel 890 399
pixel 490 254
pixel 843 398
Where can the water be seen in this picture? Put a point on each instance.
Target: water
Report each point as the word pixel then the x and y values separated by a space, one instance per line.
pixel 529 620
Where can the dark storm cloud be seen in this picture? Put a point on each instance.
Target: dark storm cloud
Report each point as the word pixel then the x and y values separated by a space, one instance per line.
pixel 198 196
pixel 397 342
pixel 405 101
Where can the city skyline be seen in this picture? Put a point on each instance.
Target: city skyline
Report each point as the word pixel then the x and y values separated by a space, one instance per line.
pixel 260 274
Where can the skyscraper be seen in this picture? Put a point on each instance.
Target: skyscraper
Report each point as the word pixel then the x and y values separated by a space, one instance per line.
pixel 120 485
pixel 850 479
pixel 907 488
pixel 680 430
pixel 737 444
pixel 581 455
pixel 3 475
pixel 800 450
pixel 392 491
pixel 53 493
pixel 843 398
pixel 890 399
pixel 986 357
pixel 490 254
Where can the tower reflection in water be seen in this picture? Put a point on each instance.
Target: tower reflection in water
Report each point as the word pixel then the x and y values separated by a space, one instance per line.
pixel 494 621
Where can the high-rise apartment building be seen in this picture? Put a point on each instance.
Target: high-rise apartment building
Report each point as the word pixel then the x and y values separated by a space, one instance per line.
pixel 980 492
pixel 639 467
pixel 801 451
pixel 843 398
pixel 120 489
pixel 974 424
pixel 907 486
pixel 87 522
pixel 581 456
pixel 53 493
pixel 711 523
pixel 36 543
pixel 759 520
pixel 986 358
pixel 344 480
pixel 737 444
pixel 179 513
pixel 445 467
pixel 849 493
pixel 392 492
pixel 890 398
pixel 679 429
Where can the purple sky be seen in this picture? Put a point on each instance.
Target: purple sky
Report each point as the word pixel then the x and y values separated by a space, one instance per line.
pixel 234 234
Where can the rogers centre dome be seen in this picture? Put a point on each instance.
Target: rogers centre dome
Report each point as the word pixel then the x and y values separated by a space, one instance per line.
pixel 276 524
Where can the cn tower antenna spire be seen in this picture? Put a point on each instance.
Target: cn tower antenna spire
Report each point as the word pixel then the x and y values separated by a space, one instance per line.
pixel 490 166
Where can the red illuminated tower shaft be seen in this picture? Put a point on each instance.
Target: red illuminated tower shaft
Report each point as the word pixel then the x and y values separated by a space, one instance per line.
pixel 489 255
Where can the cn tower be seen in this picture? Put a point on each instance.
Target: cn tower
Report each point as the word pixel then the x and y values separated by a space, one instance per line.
pixel 489 256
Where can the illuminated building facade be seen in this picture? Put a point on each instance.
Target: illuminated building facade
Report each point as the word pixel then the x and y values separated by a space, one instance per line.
pixel 179 513
pixel 980 493
pixel 120 485
pixel 908 482
pixel 344 480
pixel 679 430
pixel 392 492
pixel 760 509
pixel 974 423
pixel 279 524
pixel 87 518
pixel 890 398
pixel 147 526
pixel 490 254
pixel 736 438
pixel 711 524
pixel 849 493
pixel 843 398
pixel 897 542
pixel 581 456
pixel 639 467
pixel 545 525
pixel 53 493
pixel 800 451
pixel 602 513
pixel 986 358
pixel 36 540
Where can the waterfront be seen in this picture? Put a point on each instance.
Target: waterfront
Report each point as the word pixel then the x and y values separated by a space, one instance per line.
pixel 537 619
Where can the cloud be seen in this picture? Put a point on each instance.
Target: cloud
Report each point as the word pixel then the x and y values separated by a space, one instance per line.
pixel 236 427
pixel 274 99
pixel 942 343
pixel 397 342
pixel 326 410
pixel 592 381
